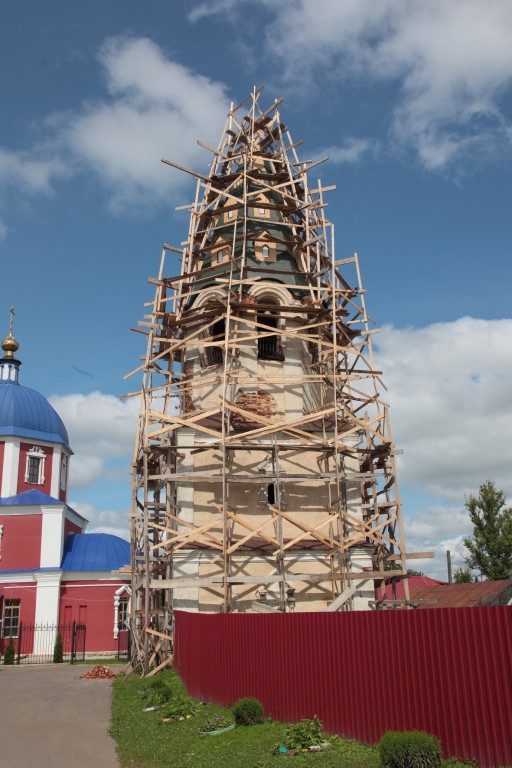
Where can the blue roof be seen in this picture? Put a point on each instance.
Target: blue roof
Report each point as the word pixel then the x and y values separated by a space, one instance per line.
pixel 33 496
pixel 26 413
pixel 95 552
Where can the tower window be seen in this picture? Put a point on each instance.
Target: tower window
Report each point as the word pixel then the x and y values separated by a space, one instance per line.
pixel 215 354
pixel 220 256
pixel 265 251
pixel 64 473
pixel 34 470
pixel 269 347
pixel 230 214
pixel 271 494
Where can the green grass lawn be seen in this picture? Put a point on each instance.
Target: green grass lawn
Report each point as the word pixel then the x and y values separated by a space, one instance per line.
pixel 145 742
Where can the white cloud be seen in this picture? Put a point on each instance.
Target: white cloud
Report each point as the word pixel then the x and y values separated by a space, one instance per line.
pixel 447 386
pixel 156 108
pixel 449 389
pixel 103 521
pixel 351 151
pixel 153 108
pixel 450 61
pixel 31 172
pixel 101 429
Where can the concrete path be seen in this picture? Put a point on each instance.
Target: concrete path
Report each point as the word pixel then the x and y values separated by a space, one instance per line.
pixel 49 718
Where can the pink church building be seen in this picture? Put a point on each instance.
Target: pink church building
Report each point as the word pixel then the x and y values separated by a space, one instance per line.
pixel 52 573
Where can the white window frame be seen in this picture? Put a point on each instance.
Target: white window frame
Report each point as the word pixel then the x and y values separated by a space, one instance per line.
pixel 64 462
pixel 15 605
pixel 123 591
pixel 38 454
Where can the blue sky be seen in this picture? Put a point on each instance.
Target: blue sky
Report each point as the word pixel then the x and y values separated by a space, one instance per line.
pixel 411 101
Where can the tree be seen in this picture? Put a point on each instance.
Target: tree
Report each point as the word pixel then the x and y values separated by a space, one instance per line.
pixel 414 572
pixel 58 650
pixel 462 576
pixel 490 547
pixel 9 653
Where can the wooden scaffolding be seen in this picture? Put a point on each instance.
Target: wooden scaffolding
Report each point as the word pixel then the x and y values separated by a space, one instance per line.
pixel 264 469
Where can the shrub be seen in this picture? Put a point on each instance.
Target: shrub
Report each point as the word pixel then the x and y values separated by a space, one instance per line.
pixel 9 652
pixel 180 705
pixel 156 692
pixel 58 650
pixel 306 733
pixel 411 749
pixel 248 712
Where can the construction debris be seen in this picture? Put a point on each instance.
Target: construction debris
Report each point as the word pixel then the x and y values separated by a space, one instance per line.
pixel 99 672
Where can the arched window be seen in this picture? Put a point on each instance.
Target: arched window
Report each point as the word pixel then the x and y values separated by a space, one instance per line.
pixel 220 256
pixel 265 251
pixel 269 347
pixel 215 354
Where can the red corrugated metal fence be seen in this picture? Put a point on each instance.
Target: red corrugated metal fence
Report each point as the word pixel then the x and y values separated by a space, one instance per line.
pixel 447 671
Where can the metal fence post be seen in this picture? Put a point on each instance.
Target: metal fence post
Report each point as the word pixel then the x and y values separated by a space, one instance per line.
pixel 20 634
pixel 73 638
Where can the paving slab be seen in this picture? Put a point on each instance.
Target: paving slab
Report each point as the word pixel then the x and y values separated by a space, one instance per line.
pixel 49 718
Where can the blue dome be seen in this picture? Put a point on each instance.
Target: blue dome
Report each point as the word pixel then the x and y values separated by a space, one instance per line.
pixel 95 552
pixel 26 413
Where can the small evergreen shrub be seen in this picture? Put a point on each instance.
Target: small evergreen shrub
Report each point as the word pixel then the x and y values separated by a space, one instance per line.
pixel 411 749
pixel 58 650
pixel 248 712
pixel 9 653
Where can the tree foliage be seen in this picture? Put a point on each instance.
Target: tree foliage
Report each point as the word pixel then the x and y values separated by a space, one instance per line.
pixel 490 547
pixel 463 576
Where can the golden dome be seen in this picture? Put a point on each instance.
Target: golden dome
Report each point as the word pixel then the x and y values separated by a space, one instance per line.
pixel 9 344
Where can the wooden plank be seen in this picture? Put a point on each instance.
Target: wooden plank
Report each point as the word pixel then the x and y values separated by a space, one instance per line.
pixel 341 599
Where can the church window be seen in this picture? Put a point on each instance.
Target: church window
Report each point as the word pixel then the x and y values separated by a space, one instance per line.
pixel 220 256
pixel 269 346
pixel 265 251
pixel 11 618
pixel 63 472
pixel 214 353
pixel 34 471
pixel 271 494
pixel 230 214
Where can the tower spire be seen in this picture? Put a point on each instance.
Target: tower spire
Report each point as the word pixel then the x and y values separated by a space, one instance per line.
pixel 9 364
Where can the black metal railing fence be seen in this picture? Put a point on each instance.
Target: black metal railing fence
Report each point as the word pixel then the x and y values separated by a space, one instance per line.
pixel 35 643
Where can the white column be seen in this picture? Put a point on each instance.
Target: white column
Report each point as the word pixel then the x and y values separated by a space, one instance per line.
pixel 52 535
pixel 10 470
pixel 55 479
pixel 47 609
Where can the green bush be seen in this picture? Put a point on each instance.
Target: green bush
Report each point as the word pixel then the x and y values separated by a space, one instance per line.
pixel 9 652
pixel 156 692
pixel 58 650
pixel 180 705
pixel 306 733
pixel 411 749
pixel 248 712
